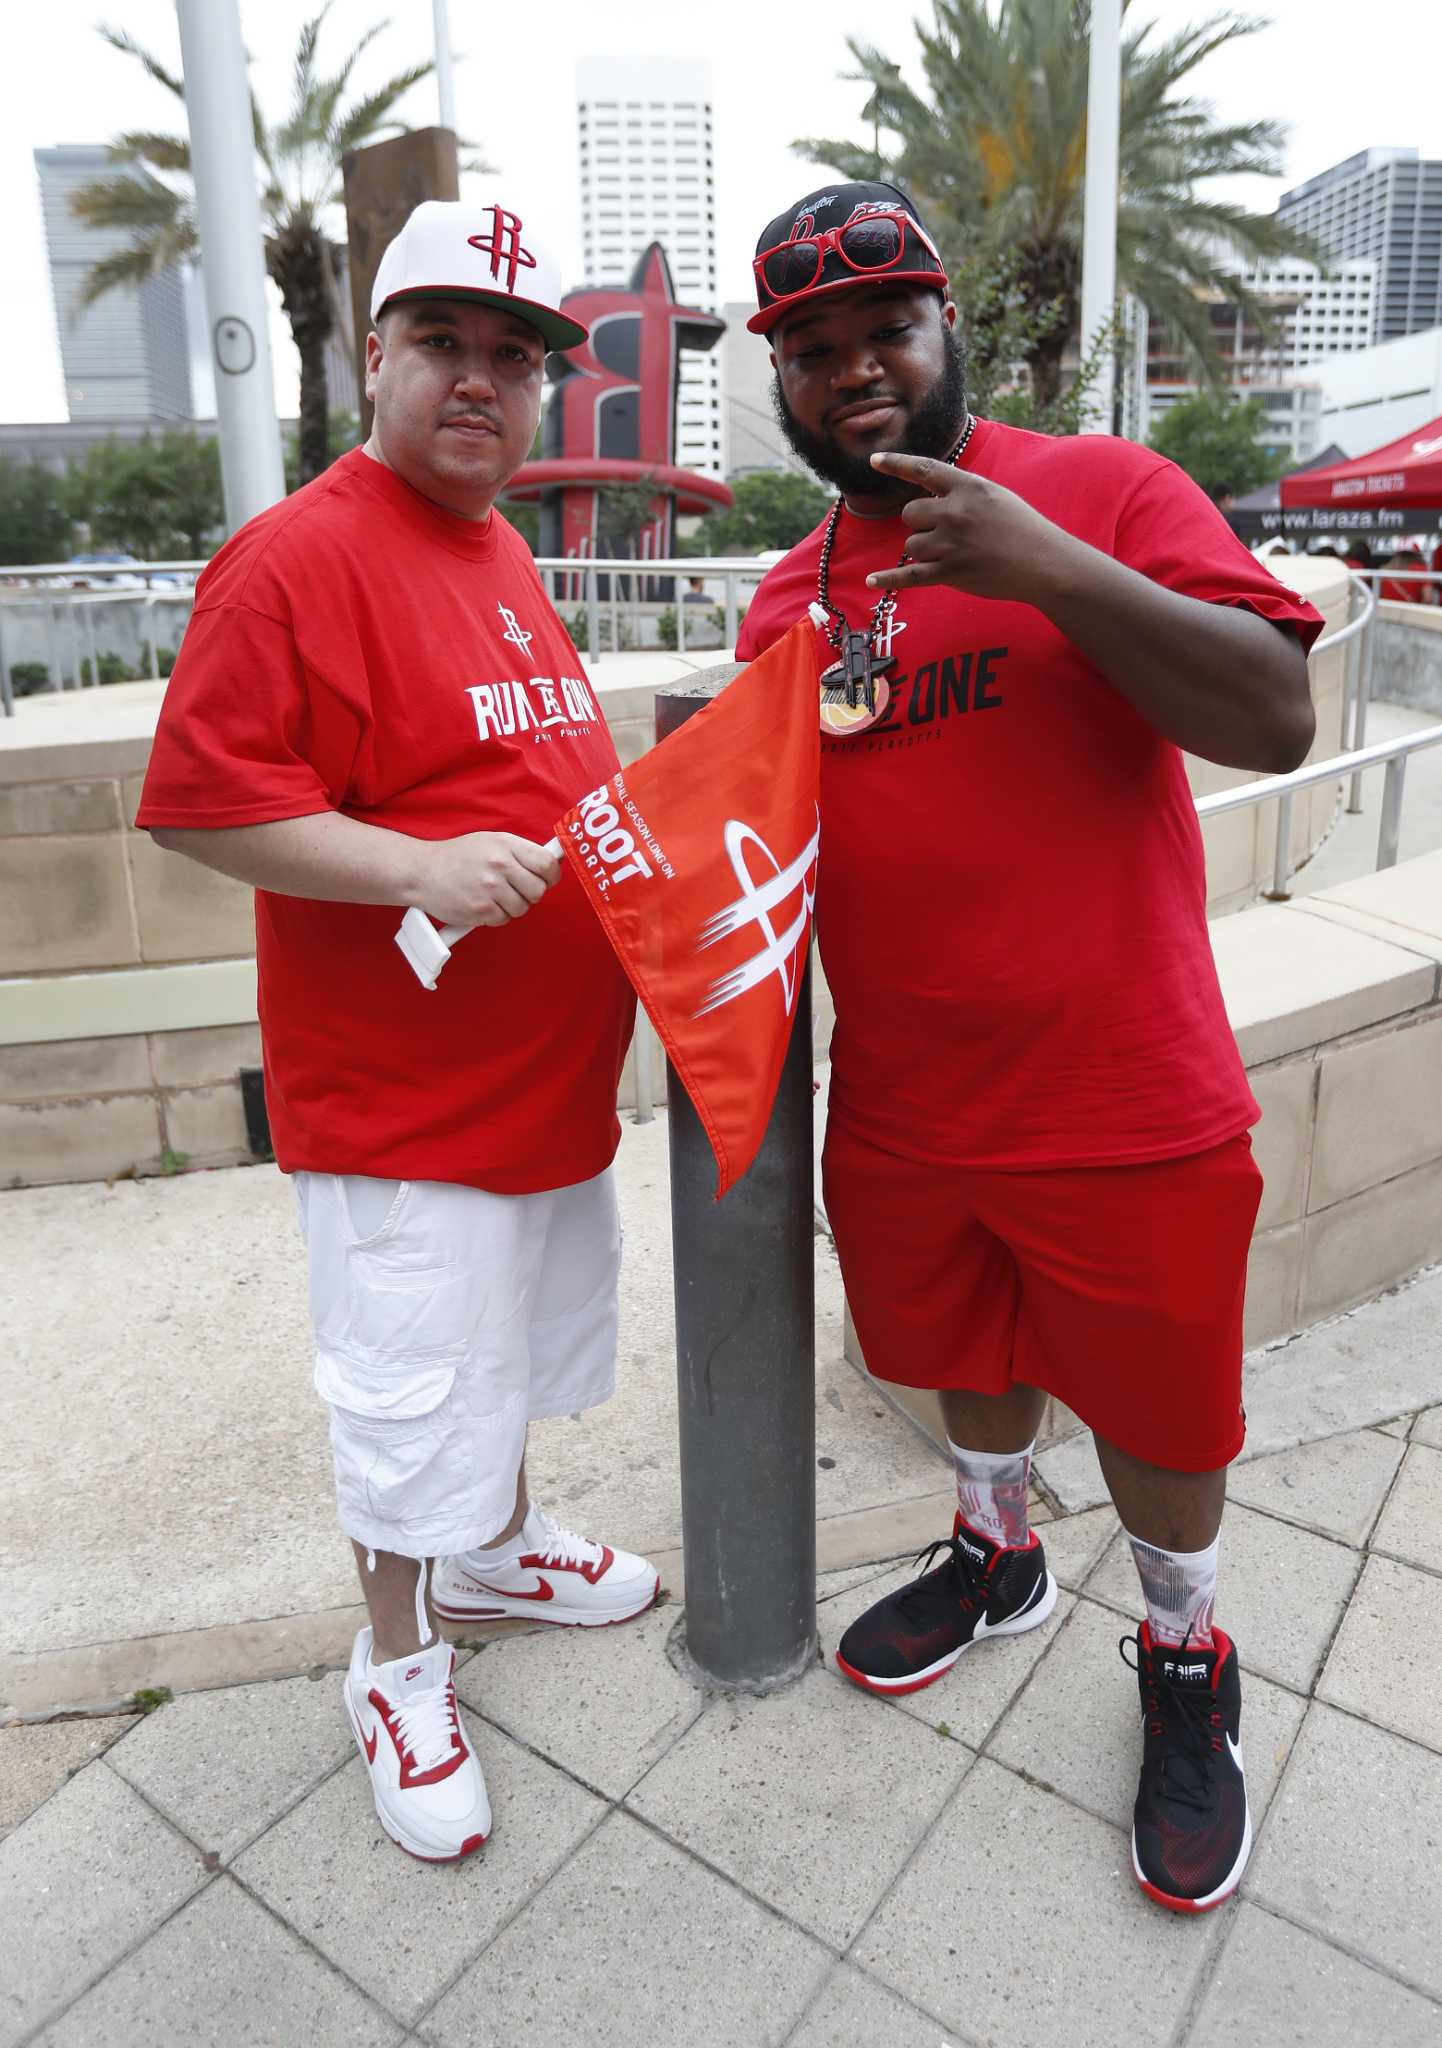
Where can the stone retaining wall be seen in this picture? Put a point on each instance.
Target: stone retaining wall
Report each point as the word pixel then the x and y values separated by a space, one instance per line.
pixel 1409 655
pixel 126 973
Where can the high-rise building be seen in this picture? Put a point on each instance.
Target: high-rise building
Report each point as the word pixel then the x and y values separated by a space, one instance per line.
pixel 126 357
pixel 751 434
pixel 1385 204
pixel 644 130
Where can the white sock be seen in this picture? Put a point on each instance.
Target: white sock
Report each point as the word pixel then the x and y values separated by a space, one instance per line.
pixel 1180 1589
pixel 525 1538
pixel 991 1493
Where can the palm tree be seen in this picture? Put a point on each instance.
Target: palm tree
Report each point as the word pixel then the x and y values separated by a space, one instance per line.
pixel 995 154
pixel 299 167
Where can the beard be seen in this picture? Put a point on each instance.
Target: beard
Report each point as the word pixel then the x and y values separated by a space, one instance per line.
pixel 931 429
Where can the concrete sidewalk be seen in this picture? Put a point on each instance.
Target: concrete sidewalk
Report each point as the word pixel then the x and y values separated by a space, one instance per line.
pixel 823 1868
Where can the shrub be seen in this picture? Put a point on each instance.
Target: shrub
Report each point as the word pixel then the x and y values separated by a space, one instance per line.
pixel 666 626
pixel 26 677
pixel 114 668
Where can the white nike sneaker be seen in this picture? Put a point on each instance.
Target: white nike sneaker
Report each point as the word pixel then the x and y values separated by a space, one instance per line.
pixel 553 1575
pixel 427 1785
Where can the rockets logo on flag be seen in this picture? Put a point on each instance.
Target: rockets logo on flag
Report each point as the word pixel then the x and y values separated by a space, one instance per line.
pixel 779 954
pixel 700 861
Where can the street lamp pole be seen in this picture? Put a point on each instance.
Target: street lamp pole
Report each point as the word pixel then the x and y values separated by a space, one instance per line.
pixel 445 70
pixel 222 158
pixel 1099 230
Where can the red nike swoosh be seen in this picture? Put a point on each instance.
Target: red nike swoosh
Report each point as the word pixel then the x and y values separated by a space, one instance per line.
pixel 368 1744
pixel 545 1591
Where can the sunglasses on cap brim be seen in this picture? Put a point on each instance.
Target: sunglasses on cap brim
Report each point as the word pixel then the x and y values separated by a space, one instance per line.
pixel 870 245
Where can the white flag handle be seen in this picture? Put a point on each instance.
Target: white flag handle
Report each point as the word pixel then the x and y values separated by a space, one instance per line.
pixel 427 947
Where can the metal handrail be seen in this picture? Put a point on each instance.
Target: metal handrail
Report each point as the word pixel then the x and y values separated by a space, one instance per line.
pixel 1394 753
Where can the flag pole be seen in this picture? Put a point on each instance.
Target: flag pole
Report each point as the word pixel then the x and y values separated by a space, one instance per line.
pixel 445 67
pixel 746 1364
pixel 232 254
pixel 1099 223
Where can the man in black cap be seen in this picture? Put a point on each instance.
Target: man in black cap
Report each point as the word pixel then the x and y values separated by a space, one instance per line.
pixel 1038 1167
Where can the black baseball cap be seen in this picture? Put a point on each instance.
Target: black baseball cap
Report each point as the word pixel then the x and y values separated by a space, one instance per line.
pixel 800 256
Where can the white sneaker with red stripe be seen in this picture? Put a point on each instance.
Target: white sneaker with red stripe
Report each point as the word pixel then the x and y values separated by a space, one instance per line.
pixel 547 1573
pixel 427 1785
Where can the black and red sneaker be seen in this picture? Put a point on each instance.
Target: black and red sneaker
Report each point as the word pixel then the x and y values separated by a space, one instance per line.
pixel 911 1637
pixel 1191 1828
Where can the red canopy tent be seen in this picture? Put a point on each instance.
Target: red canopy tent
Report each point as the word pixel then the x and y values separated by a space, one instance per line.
pixel 1396 489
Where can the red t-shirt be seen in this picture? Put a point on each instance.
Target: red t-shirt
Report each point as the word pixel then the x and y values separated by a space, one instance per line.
pixel 357 649
pixel 1011 902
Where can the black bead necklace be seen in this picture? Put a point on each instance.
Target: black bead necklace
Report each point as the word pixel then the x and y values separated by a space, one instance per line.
pixel 851 679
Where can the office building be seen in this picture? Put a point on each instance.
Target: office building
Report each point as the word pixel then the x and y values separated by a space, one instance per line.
pixel 1386 205
pixel 646 162
pixel 751 435
pixel 127 356
pixel 1379 394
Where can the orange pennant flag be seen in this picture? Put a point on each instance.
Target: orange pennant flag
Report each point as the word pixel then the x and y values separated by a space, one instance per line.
pixel 700 861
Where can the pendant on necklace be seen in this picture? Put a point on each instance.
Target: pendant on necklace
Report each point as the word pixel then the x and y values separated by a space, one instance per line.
pixel 854 692
pixel 842 721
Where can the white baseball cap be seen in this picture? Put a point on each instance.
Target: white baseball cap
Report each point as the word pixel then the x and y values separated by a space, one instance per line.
pixel 452 249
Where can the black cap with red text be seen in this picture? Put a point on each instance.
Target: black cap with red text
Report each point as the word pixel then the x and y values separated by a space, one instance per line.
pixel 836 238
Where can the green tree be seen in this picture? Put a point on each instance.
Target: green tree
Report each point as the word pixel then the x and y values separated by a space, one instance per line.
pixel 773 508
pixel 299 170
pixel 36 523
pixel 525 516
pixel 156 498
pixel 994 151
pixel 623 513
pixel 1216 439
pixel 342 433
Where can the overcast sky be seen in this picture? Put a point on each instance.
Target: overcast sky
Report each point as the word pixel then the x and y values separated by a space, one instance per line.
pixel 1342 76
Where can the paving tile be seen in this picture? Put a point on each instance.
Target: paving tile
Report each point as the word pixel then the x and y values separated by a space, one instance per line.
pixel 34 1762
pixel 1400 1425
pixel 1076 1727
pixel 1278 1987
pixel 831 1585
pixel 401 1929
pixel 657 1948
pixel 1383 1359
pixel 1350 1848
pixel 1384 1662
pixel 83 1879
pixel 1411 1524
pixel 1280 1593
pixel 1427 1429
pixel 778 1793
pixel 1069 1936
pixel 1070 1471
pixel 1074 1543
pixel 224 1973
pixel 979 1687
pixel 223 1765
pixel 604 1702
pixel 855 2011
pixel 1335 1486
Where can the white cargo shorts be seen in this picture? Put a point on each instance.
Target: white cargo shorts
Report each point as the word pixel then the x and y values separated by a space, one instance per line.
pixel 445 1320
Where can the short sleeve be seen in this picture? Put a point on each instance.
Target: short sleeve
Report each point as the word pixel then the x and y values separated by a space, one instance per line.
pixel 247 732
pixel 1171 531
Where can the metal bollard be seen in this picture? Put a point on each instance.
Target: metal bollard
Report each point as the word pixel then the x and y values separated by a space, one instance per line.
pixel 746 1366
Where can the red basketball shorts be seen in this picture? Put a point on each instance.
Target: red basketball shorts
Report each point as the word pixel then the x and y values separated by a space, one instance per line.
pixel 1117 1288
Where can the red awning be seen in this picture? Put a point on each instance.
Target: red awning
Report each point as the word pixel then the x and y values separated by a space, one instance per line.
pixel 1406 474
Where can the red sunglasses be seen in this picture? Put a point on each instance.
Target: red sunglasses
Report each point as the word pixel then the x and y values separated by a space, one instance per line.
pixel 872 242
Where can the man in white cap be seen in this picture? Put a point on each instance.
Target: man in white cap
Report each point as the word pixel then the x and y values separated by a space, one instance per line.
pixel 377 707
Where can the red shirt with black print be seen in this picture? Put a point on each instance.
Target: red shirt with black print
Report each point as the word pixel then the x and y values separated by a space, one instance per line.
pixel 1011 900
